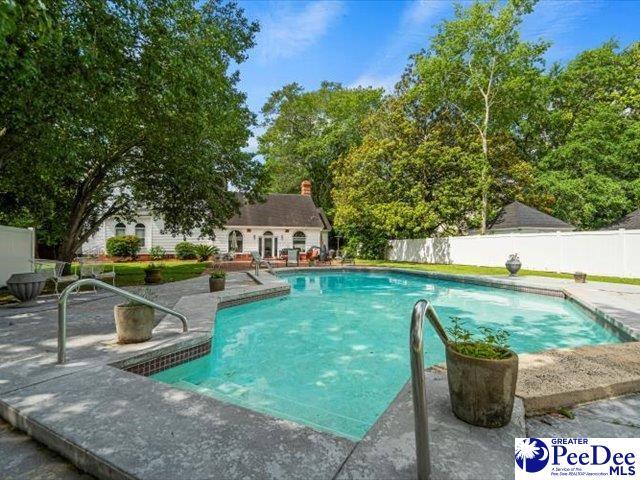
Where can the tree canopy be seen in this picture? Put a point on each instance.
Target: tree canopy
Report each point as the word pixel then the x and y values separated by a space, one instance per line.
pixel 308 131
pixel 127 103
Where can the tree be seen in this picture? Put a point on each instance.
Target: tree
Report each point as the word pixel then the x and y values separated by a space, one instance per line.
pixel 588 148
pixel 478 66
pixel 132 102
pixel 308 131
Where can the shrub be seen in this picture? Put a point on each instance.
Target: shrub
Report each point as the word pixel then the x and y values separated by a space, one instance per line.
pixel 493 344
pixel 153 266
pixel 124 246
pixel 157 252
pixel 185 251
pixel 203 252
pixel 218 274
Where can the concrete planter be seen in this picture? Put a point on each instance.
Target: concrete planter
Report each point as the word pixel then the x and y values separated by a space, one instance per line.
pixel 134 323
pixel 153 275
pixel 26 287
pixel 482 391
pixel 216 284
pixel 580 277
pixel 513 266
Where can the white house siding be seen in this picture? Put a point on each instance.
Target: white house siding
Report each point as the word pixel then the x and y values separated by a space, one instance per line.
pixel 154 236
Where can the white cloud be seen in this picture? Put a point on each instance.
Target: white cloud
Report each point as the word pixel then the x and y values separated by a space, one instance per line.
pixel 419 12
pixel 286 33
pixel 555 20
pixel 377 81
pixel 411 34
pixel 252 143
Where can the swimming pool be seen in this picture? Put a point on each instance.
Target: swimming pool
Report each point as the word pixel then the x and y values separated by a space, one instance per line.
pixel 334 353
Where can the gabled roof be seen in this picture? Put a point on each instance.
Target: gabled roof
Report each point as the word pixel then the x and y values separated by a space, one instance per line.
pixel 281 210
pixel 630 221
pixel 517 215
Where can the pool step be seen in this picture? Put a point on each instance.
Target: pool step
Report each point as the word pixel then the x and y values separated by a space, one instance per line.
pixel 255 399
pixel 565 377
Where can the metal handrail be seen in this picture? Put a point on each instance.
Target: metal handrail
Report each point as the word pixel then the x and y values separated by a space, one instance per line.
pixel 62 310
pixel 421 417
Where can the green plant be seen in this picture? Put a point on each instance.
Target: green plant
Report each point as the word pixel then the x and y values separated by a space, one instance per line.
pixel 143 292
pixel 185 251
pixel 203 252
pixel 152 266
pixel 157 252
pixel 492 345
pixel 218 274
pixel 123 246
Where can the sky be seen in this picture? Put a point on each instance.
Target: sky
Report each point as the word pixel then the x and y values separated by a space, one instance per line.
pixel 368 43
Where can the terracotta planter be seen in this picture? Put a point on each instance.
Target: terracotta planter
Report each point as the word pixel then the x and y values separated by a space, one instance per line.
pixel 216 284
pixel 26 287
pixel 580 277
pixel 134 323
pixel 513 266
pixel 153 276
pixel 482 391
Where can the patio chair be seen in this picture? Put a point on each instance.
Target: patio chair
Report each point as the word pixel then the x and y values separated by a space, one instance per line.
pixel 347 259
pixel 54 269
pixel 258 261
pixel 98 271
pixel 293 256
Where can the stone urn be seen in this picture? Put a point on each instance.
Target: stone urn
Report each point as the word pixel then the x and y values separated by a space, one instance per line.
pixel 134 322
pixel 580 277
pixel 513 264
pixel 152 275
pixel 482 391
pixel 26 287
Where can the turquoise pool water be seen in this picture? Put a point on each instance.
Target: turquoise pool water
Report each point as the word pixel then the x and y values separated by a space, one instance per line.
pixel 334 353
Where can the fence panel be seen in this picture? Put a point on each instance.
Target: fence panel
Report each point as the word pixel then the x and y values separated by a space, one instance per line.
pixel 17 246
pixel 610 252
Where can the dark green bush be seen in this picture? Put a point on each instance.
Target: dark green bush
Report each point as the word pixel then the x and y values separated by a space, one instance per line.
pixel 185 251
pixel 124 246
pixel 203 252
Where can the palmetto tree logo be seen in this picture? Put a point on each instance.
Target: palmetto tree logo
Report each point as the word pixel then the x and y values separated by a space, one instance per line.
pixel 532 454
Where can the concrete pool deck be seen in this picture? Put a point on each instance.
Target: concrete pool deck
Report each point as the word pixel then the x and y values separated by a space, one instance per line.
pixel 99 416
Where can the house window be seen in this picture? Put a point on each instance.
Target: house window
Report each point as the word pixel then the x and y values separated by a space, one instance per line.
pixel 121 230
pixel 235 241
pixel 299 241
pixel 140 229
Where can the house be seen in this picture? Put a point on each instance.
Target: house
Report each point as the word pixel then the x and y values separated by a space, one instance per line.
pixel 521 218
pixel 281 221
pixel 630 221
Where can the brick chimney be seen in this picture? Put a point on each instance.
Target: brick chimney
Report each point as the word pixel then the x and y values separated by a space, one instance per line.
pixel 305 188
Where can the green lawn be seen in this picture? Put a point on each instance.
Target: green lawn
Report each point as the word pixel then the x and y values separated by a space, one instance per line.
pixel 132 273
pixel 473 270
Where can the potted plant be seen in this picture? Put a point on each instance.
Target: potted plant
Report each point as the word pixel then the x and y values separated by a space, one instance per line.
pixel 134 321
pixel 482 376
pixel 153 273
pixel 513 264
pixel 217 280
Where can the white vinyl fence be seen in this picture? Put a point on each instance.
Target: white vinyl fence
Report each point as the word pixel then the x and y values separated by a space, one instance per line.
pixel 17 247
pixel 611 252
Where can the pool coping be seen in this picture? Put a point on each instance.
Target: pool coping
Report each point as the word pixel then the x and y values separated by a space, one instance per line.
pixel 168 355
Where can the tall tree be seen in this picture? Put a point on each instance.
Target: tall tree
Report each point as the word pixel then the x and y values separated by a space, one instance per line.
pixel 478 66
pixel 587 146
pixel 308 131
pixel 134 102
